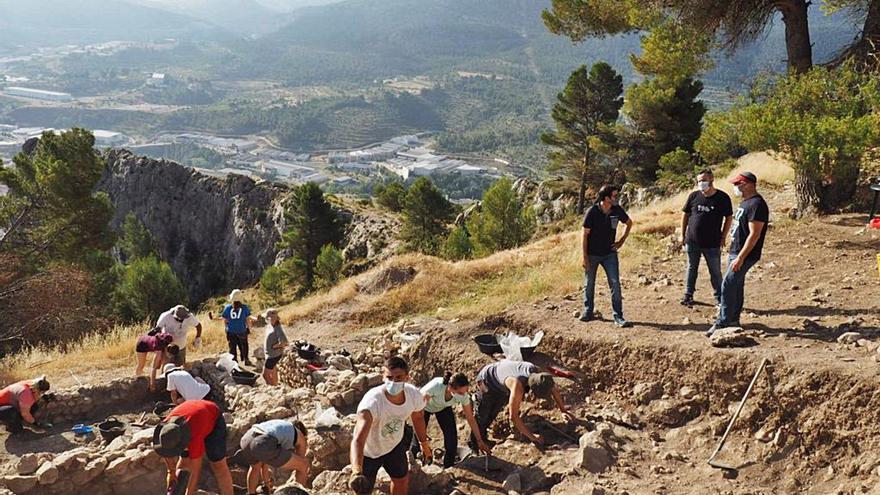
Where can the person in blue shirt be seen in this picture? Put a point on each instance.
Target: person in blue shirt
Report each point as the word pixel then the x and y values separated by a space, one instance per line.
pixel 237 317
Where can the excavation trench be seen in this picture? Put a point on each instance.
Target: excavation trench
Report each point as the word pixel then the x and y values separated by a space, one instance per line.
pixel 803 428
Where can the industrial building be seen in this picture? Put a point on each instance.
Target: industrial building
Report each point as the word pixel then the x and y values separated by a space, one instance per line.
pixel 37 94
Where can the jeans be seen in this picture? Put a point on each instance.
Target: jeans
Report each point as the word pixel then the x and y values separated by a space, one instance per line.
pixel 238 341
pixel 611 266
pixel 446 419
pixel 733 292
pixel 713 262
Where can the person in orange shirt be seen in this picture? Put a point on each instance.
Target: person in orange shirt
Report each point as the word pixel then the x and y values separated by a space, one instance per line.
pixel 18 404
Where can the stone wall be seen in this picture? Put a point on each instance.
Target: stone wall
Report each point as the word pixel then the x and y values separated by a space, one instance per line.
pixel 77 405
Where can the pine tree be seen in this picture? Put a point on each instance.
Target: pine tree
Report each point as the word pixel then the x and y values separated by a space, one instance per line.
pixel 426 212
pixel 458 245
pixel 52 212
pixel 328 267
pixel 146 288
pixel 584 110
pixel 311 224
pixel 135 241
pixel 502 222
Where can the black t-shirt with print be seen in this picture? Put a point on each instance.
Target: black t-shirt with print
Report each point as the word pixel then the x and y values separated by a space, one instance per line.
pixel 754 209
pixel 603 228
pixel 707 215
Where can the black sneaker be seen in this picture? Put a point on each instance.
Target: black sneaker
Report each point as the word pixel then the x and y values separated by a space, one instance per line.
pixel 687 301
pixel 587 317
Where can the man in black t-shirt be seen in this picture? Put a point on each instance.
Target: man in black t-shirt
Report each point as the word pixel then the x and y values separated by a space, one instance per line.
pixel 705 222
pixel 746 243
pixel 600 246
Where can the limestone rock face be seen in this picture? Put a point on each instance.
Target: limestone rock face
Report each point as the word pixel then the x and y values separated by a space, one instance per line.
pixel 219 233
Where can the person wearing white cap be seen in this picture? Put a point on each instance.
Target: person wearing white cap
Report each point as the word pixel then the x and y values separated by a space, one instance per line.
pixel 183 386
pixel 237 317
pixel 274 343
pixel 177 321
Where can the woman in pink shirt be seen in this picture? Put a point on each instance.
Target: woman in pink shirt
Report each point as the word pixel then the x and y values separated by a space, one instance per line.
pixel 18 404
pixel 157 344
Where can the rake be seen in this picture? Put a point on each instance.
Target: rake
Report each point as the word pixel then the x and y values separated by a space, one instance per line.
pixel 712 461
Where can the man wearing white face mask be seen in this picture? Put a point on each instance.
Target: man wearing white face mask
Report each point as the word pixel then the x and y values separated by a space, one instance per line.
pixel 705 223
pixel 746 243
pixel 378 434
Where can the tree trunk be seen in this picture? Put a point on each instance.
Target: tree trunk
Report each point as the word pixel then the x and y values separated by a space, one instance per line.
pixel 797 35
pixel 582 190
pixel 840 190
pixel 808 191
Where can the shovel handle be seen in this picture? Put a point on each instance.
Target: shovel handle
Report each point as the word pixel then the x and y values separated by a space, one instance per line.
pixel 739 409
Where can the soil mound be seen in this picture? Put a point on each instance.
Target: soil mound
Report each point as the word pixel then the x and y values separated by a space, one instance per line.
pixel 388 278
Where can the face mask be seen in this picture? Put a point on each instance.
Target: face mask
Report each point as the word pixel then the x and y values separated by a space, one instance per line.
pixel 393 388
pixel 460 397
pixel 704 185
pixel 737 191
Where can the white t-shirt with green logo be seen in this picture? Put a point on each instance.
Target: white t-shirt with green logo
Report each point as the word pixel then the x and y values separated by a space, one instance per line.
pixel 437 390
pixel 386 431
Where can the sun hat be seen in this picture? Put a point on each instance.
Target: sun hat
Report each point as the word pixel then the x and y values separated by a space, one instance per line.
pixel 171 438
pixel 235 295
pixel 168 368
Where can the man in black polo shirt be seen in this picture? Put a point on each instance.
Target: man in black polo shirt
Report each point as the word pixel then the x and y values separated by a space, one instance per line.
pixel 746 243
pixel 600 246
pixel 704 227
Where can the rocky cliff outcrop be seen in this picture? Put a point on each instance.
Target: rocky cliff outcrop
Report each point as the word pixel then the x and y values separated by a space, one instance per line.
pixel 221 233
pixel 217 233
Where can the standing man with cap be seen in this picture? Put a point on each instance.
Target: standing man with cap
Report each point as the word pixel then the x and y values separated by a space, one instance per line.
pixel 237 315
pixel 177 321
pixel 600 246
pixel 191 431
pixel 277 443
pixel 506 383
pixel 746 242
pixel 705 223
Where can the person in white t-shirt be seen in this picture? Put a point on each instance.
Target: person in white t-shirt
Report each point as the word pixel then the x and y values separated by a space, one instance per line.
pixel 177 321
pixel 378 435
pixel 183 386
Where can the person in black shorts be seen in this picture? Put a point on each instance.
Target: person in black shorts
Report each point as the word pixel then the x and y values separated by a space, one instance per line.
pixel 378 435
pixel 274 343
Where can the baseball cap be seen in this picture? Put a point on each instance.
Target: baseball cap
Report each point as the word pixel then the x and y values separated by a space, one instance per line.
pixel 168 368
pixel 262 447
pixel 541 384
pixel 744 177
pixel 170 439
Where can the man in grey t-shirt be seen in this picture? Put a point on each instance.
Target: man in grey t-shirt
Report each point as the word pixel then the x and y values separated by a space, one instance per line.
pixel 275 341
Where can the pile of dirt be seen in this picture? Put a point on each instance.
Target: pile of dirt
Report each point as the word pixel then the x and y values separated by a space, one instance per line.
pixel 387 278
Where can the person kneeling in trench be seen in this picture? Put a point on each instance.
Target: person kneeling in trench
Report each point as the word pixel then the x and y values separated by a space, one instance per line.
pixel 506 383
pixel 277 443
pixel 378 435
pixel 19 404
pixel 191 431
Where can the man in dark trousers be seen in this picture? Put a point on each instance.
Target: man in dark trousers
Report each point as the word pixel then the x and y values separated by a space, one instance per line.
pixel 600 246
pixel 705 223
pixel 746 243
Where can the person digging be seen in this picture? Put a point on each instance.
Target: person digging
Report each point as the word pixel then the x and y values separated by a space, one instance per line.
pixel 506 383
pixel 20 402
pixel 277 443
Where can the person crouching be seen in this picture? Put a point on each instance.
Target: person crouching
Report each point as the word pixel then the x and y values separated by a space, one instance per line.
pixel 277 443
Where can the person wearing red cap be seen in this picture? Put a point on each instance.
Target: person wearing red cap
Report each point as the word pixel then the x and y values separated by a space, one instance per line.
pixel 746 243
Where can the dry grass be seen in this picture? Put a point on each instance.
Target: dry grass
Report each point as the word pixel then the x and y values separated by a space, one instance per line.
pixel 112 349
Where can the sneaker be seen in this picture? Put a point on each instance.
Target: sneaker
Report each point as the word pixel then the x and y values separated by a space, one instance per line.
pixel 687 301
pixel 713 328
pixel 620 322
pixel 248 363
pixel 587 317
pixel 35 429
